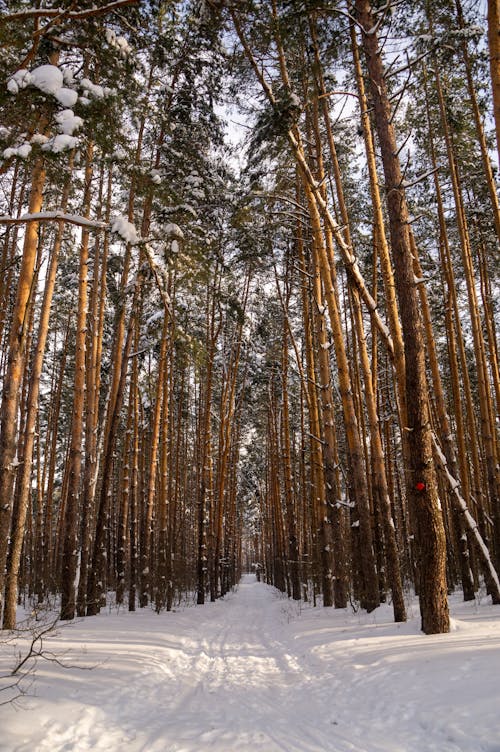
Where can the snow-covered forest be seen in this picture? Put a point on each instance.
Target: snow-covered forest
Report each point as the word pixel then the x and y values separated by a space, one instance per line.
pixel 248 320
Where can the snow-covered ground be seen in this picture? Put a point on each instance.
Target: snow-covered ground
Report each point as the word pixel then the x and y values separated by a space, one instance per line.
pixel 257 673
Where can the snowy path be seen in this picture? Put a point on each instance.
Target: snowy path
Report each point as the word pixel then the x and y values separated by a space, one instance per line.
pixel 251 674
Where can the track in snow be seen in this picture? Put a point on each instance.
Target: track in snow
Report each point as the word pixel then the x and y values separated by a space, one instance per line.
pixel 246 675
pixel 216 677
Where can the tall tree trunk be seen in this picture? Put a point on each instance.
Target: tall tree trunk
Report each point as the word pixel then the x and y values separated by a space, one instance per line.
pixel 147 530
pixel 163 499
pixel 317 475
pixel 9 247
pixel 488 426
pixel 488 172
pixel 422 489
pixel 369 597
pixel 226 425
pixel 92 390
pixel 96 586
pixel 377 456
pixel 457 465
pixel 291 522
pixel 15 367
pixel 494 46
pixel 72 506
pixel 24 478
pixel 205 501
pixel 134 478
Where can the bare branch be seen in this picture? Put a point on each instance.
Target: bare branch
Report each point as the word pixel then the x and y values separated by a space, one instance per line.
pixel 409 65
pixel 339 92
pixel 420 178
pixel 32 650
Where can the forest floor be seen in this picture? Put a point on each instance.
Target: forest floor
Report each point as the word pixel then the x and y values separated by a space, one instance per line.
pixel 256 672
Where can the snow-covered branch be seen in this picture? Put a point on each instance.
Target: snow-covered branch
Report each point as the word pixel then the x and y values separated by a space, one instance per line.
pixel 73 219
pixel 469 519
pixel 159 278
pixel 74 15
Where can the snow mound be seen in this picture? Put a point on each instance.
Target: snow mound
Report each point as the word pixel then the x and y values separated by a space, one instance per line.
pixel 22 151
pixel 39 138
pixel 47 78
pixel 174 231
pixel 19 80
pixel 60 143
pixel 125 229
pixel 68 122
pixel 67 97
pixel 94 90
pixel 119 43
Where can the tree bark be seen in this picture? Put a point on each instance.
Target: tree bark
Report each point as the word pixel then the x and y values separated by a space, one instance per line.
pixel 422 488
pixel 23 481
pixel 15 367
pixel 494 45
pixel 72 509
